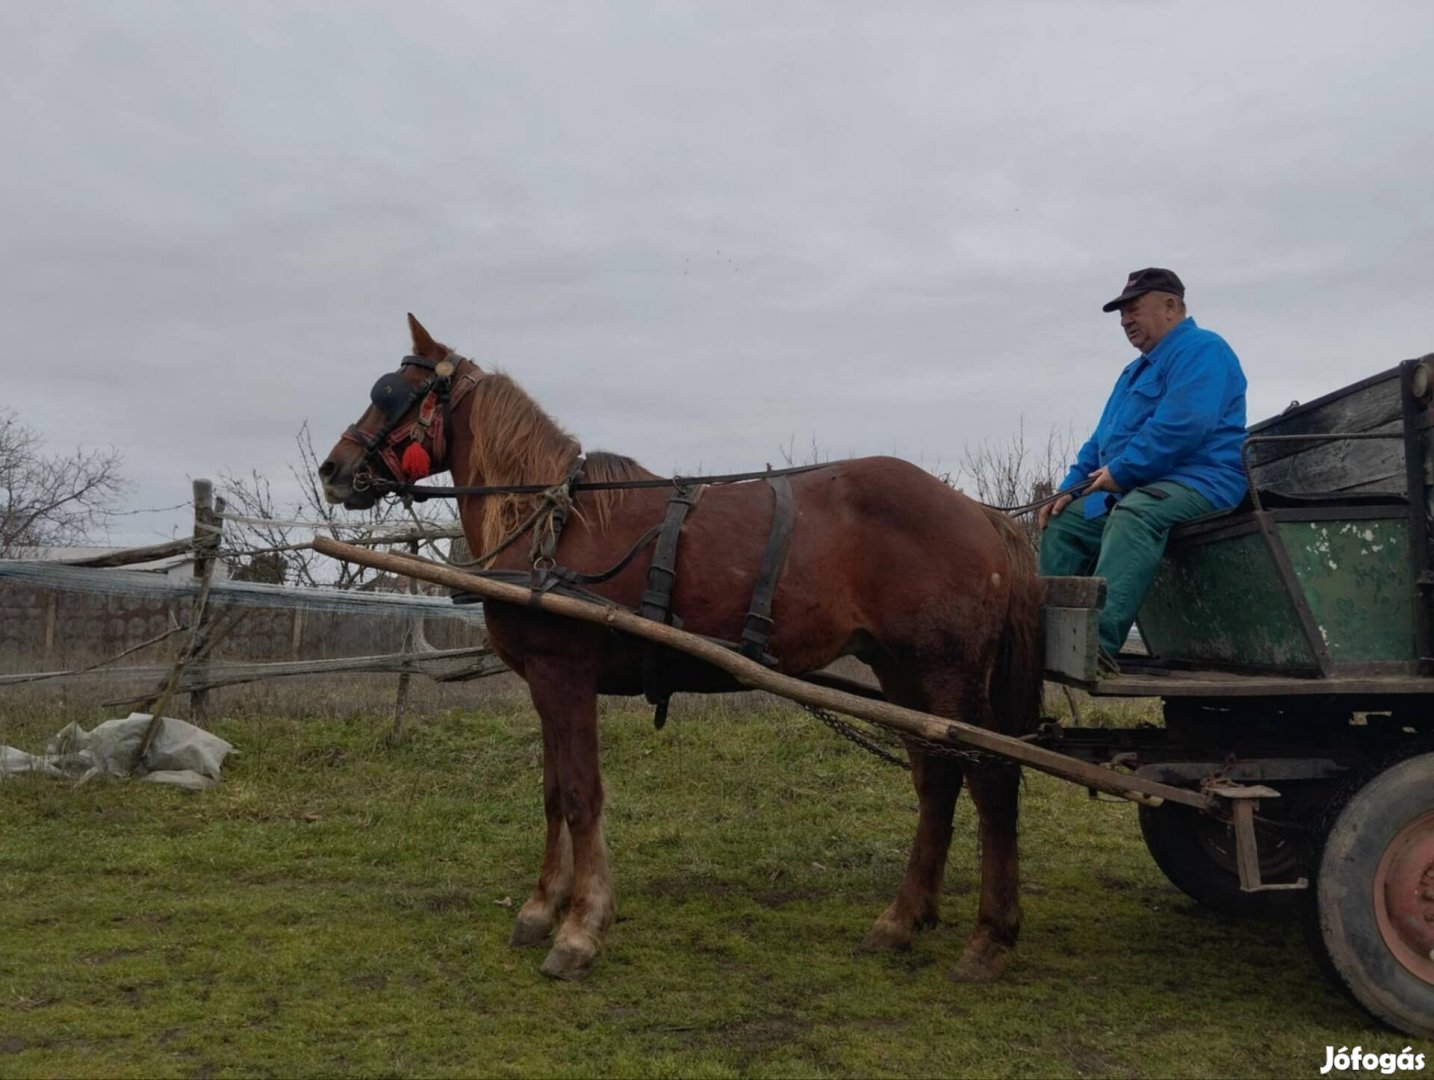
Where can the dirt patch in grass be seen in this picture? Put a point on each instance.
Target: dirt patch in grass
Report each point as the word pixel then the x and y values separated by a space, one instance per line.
pixel 452 900
pixel 109 956
pixel 750 1040
pixel 777 898
pixel 681 890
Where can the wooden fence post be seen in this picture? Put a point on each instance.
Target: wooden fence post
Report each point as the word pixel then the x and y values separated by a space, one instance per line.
pixel 410 640
pixel 52 619
pixel 207 525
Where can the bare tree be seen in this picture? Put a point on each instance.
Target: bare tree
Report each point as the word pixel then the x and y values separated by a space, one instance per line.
pixel 1012 473
pixel 1007 473
pixel 814 454
pixel 51 500
pixel 269 548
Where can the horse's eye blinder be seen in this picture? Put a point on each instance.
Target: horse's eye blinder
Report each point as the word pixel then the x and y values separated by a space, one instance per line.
pixel 392 396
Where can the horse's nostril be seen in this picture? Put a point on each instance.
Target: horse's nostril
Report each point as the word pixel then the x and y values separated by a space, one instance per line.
pixel 327 469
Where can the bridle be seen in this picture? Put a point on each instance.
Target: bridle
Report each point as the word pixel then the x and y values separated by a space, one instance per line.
pixel 449 381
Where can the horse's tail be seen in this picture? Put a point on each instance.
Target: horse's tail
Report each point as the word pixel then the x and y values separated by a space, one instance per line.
pixel 1016 683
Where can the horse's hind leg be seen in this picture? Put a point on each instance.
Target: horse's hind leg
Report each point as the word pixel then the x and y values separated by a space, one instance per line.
pixel 541 911
pixel 995 789
pixel 917 903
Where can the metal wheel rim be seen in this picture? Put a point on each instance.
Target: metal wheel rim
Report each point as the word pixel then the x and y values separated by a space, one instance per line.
pixel 1403 897
pixel 1217 840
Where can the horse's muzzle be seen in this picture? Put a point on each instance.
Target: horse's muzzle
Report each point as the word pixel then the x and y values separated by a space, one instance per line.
pixel 360 500
pixel 340 486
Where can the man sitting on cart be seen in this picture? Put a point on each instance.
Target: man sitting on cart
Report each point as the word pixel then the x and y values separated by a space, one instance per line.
pixel 1166 450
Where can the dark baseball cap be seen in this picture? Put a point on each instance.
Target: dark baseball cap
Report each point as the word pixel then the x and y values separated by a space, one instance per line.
pixel 1151 279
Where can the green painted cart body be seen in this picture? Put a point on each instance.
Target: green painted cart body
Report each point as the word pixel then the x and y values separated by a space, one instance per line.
pixel 1319 583
pixel 1288 643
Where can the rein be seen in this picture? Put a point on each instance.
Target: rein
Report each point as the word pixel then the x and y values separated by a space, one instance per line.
pixel 394 396
pixel 421 492
pixel 1016 511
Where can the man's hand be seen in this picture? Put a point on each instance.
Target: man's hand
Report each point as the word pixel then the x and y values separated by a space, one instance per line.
pixel 1101 480
pixel 1050 510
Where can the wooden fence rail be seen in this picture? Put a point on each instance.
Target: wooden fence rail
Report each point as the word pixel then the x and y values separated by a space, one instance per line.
pixel 440 665
pixel 49 575
pixel 114 606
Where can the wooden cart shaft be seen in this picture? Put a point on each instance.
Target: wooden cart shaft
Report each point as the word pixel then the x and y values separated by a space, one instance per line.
pixel 936 729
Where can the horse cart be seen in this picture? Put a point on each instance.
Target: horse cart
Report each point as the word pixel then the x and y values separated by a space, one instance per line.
pixel 1288 642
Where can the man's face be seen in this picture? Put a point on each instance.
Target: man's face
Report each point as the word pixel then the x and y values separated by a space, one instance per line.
pixel 1148 318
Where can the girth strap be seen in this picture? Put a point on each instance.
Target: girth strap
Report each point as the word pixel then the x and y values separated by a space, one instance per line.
pixel 757 630
pixel 657 597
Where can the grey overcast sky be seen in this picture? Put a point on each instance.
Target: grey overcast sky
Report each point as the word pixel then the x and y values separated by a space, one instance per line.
pixel 693 231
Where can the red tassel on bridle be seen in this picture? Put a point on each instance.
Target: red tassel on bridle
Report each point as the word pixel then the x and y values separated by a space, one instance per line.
pixel 416 462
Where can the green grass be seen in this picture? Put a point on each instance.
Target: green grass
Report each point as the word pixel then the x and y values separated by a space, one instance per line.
pixel 339 908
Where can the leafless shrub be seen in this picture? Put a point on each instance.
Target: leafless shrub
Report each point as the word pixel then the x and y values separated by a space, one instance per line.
pixel 812 454
pixel 51 500
pixel 271 550
pixel 1013 473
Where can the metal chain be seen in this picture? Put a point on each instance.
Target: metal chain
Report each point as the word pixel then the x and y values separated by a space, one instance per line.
pixel 859 737
pixel 847 731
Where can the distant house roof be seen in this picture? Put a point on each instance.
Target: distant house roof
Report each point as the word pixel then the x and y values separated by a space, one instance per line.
pixel 386 582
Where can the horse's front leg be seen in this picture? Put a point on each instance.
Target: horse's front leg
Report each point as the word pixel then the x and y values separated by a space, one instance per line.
pixel 566 698
pixel 542 910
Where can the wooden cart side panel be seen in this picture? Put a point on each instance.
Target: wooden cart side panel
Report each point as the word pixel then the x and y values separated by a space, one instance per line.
pixel 1355 579
pixel 1369 466
pixel 1224 602
pixel 1072 638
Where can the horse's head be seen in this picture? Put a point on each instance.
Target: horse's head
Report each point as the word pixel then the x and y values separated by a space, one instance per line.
pixel 405 434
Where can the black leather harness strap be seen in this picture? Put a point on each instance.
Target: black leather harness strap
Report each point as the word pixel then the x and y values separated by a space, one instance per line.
pixel 577 577
pixel 662 574
pixel 547 575
pixel 657 597
pixel 757 630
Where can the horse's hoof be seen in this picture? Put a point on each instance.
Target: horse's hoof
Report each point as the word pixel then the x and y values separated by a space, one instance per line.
pixel 885 937
pixel 567 960
pixel 981 962
pixel 528 932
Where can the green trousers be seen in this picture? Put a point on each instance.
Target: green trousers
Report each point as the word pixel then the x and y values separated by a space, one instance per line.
pixel 1124 546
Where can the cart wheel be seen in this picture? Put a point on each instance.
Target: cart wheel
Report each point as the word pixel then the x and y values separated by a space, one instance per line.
pixel 1373 896
pixel 1197 853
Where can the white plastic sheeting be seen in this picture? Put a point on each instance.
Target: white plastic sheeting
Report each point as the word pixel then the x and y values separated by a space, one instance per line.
pixel 180 753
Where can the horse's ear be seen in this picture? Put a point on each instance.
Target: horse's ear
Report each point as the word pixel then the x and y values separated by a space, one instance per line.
pixel 422 342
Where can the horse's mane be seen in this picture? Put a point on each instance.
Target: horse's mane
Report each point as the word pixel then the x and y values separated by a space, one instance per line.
pixel 516 442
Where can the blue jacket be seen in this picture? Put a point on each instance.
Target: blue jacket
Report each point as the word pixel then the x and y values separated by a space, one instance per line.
pixel 1176 413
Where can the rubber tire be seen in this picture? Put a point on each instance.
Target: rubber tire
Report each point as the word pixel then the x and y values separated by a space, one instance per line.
pixel 1356 830
pixel 1178 839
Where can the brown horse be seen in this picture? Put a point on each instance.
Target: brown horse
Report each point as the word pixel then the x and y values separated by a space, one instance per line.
pixel 937 594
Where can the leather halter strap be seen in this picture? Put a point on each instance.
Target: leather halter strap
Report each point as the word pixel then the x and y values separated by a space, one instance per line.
pixel 453 378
